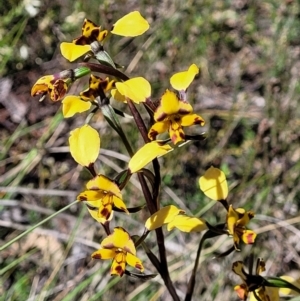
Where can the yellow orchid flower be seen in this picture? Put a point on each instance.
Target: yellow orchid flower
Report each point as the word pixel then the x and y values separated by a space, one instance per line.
pixel 237 219
pixel 260 288
pixel 250 283
pixel 90 33
pixel 97 86
pixel 131 25
pixel 73 104
pixel 54 85
pixel 102 193
pixel 84 145
pixel 120 248
pixel 171 115
pixel 57 85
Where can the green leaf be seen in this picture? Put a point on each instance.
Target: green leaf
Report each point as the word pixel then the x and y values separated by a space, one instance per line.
pixel 281 283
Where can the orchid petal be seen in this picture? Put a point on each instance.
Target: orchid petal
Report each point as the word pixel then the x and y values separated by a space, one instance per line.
pixel 131 25
pixel 134 262
pixel 73 104
pixel 162 216
pixel 71 52
pixel 84 145
pixel 181 80
pixel 104 254
pixel 187 224
pixel 137 89
pixel 214 184
pixel 146 154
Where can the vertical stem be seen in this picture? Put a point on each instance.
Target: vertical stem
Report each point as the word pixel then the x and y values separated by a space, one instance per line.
pixel 192 281
pixel 153 205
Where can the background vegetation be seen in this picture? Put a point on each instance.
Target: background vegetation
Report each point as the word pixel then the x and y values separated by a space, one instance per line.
pixel 248 92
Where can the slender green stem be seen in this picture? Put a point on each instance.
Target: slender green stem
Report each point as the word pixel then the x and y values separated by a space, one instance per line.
pixel 37 225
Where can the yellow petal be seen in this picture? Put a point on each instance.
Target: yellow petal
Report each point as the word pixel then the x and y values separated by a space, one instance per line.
pixel 131 25
pixel 134 262
pixel 266 294
pixel 72 52
pixel 146 154
pixel 176 132
pixel 104 254
pixel 88 27
pixel 241 291
pixel 248 237
pixel 99 218
pixel 192 119
pixel 105 184
pixel 232 217
pixel 84 145
pixel 137 89
pixel 119 204
pixel 130 247
pixel 73 104
pixel 42 85
pixel 181 80
pixel 117 95
pixel 92 197
pixel 158 128
pixel 244 218
pixel 118 239
pixel 169 105
pixel 214 184
pixel 162 216
pixel 187 224
pixel 118 264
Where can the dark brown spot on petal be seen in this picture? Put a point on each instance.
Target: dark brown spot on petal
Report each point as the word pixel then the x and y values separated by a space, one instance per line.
pixel 91 207
pixel 182 135
pixel 90 93
pixel 198 120
pixel 119 270
pixel 96 256
pixel 81 41
pixel 59 90
pixel 138 266
pixel 94 34
pixel 105 212
pixel 152 134
pixel 250 214
pixel 183 112
pixel 82 198
pixel 161 117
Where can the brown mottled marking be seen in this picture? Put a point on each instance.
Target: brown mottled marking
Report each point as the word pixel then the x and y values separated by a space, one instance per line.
pixel 97 256
pixel 82 198
pixel 119 270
